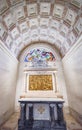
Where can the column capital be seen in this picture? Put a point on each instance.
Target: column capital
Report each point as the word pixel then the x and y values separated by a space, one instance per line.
pixel 22 104
pixel 60 105
pixel 30 105
pixel 52 105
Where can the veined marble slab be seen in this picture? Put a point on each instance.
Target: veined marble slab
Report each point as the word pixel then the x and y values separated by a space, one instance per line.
pixel 41 99
pixel 41 112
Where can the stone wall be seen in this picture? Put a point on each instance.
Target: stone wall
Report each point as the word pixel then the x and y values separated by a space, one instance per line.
pixel 8 75
pixel 72 64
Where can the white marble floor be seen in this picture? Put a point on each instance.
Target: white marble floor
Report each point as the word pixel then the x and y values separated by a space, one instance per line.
pixel 72 124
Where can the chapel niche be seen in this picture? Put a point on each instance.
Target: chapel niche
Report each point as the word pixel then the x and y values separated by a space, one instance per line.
pixel 40 73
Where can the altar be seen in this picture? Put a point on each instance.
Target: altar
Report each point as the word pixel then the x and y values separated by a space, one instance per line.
pixel 41 114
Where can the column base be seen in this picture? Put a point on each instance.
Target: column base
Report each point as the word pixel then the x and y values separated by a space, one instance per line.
pixel 21 125
pixel 41 125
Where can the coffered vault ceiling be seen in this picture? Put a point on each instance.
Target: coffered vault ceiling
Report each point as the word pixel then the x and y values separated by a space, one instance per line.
pixel 26 21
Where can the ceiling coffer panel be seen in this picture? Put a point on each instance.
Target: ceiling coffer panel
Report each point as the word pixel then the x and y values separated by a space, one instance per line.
pixel 3 6
pixel 32 9
pixel 45 8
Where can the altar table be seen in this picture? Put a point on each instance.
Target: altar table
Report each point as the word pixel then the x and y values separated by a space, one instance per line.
pixel 41 114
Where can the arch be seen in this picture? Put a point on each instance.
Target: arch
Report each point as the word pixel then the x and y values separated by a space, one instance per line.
pixel 38 45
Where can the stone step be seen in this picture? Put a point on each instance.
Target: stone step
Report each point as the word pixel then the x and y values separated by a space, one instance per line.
pixel 12 123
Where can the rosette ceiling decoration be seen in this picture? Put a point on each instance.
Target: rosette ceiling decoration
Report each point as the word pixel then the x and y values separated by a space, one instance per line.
pixel 22 22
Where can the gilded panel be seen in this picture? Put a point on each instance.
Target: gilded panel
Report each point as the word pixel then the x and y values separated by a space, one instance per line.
pixel 40 82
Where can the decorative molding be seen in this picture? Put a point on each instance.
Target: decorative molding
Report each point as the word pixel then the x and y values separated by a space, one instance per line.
pixel 73 49
pixel 6 50
pixel 3 6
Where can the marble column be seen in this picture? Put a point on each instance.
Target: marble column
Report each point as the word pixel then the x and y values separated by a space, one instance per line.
pixel 53 114
pixel 60 114
pixel 21 122
pixel 30 112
